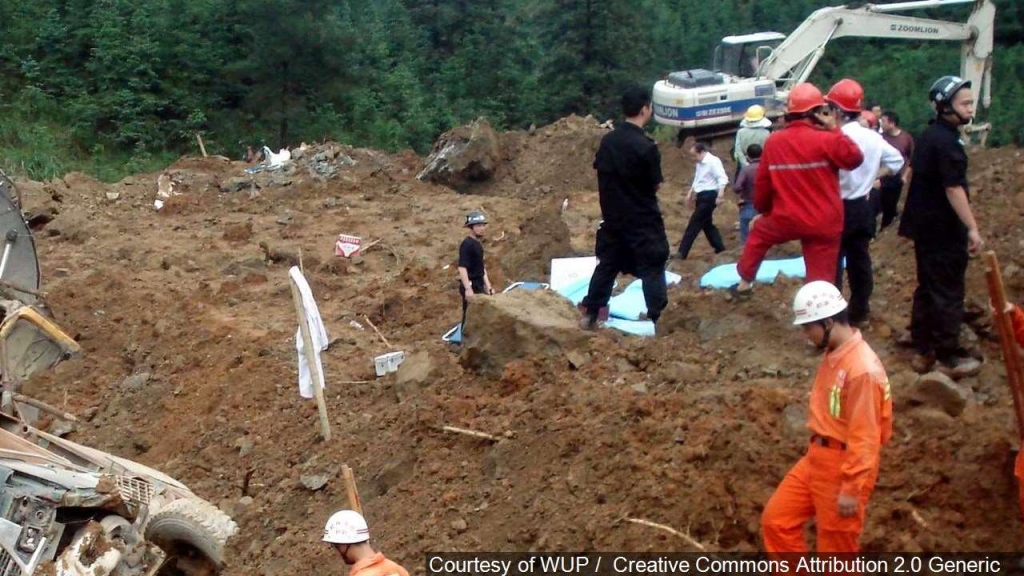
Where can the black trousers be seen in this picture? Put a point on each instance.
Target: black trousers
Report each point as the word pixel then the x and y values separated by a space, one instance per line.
pixel 938 309
pixel 642 254
pixel 478 288
pixel 889 199
pixel 702 221
pixel 858 230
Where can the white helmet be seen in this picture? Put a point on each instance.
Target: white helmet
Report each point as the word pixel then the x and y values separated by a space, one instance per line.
pixel 346 527
pixel 816 301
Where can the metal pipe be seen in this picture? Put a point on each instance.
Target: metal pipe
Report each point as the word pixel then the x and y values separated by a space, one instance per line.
pixel 898 6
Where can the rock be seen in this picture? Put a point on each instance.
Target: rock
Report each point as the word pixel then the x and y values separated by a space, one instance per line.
pixel 639 388
pixel 576 359
pixel 314 482
pixel 544 235
pixel 62 428
pixel 684 372
pixel 285 218
pixel 464 156
pixel 795 418
pixel 245 446
pixel 497 458
pixel 236 184
pixel 937 390
pixel 413 374
pixel 519 324
pixel 968 339
pixel 394 473
pixel 460 525
pixel 245 501
pixel 135 381
pixel 277 567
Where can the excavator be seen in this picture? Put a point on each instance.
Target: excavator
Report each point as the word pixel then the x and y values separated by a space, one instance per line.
pixel 761 68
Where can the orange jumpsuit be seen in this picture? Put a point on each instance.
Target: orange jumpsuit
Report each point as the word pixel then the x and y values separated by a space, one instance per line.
pixel 377 565
pixel 1017 318
pixel 851 406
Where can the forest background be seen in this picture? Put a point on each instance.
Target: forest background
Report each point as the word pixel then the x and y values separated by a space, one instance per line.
pixel 114 87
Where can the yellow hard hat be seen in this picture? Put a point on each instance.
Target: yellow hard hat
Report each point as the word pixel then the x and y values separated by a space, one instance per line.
pixel 754 114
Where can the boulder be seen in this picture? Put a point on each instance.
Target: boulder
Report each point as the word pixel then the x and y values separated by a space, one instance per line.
pixel 937 390
pixel 464 156
pixel 413 374
pixel 519 324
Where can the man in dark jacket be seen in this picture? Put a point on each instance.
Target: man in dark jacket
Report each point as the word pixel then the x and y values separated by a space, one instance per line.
pixel 631 238
pixel 938 218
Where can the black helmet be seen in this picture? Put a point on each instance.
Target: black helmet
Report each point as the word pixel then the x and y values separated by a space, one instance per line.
pixel 475 217
pixel 945 88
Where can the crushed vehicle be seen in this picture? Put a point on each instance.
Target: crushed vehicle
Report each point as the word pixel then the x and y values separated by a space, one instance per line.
pixel 67 509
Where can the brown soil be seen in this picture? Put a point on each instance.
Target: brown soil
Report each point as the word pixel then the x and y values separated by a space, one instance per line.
pixel 693 430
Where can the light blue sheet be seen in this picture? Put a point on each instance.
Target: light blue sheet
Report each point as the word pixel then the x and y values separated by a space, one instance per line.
pixel 630 304
pixel 726 275
pixel 634 327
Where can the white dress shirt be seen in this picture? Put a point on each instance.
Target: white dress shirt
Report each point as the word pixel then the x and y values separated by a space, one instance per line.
pixel 857 183
pixel 709 174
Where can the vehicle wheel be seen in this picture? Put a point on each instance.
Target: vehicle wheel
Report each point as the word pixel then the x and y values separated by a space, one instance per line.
pixel 188 530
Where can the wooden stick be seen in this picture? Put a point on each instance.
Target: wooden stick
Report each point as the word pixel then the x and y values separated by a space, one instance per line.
pixel 314 370
pixel 354 501
pixel 472 433
pixel 355 382
pixel 386 343
pixel 202 147
pixel 1011 353
pixel 369 245
pixel 689 539
pixel 45 407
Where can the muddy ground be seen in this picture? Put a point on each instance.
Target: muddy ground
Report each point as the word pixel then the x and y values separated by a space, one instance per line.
pixel 693 430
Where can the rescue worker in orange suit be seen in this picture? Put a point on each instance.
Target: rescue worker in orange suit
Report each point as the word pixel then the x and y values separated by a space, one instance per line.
pixel 797 189
pixel 850 418
pixel 346 531
pixel 1017 319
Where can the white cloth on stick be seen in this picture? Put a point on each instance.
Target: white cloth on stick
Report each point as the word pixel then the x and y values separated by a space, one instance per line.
pixel 317 333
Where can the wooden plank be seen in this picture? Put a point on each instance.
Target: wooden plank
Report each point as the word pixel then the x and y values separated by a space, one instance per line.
pixel 1011 352
pixel 310 354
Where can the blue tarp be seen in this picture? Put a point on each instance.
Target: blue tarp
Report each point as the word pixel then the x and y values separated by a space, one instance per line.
pixel 726 275
pixel 630 304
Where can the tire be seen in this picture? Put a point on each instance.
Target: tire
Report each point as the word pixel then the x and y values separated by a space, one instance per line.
pixel 191 524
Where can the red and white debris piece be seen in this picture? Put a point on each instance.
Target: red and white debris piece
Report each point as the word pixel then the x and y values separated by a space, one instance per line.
pixel 347 246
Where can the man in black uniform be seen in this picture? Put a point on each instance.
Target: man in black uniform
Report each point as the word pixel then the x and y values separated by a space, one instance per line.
pixel 938 218
pixel 631 238
pixel 473 278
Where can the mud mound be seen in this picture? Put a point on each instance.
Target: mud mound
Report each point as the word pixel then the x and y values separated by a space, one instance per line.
pixel 520 324
pixel 541 237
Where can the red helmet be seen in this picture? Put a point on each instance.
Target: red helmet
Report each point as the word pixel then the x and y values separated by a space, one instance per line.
pixel 847 95
pixel 804 97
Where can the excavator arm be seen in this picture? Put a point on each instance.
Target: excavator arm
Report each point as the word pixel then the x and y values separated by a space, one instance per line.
pixel 794 60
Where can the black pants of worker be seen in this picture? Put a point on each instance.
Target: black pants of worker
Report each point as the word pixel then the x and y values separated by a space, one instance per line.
pixel 889 199
pixel 478 288
pixel 938 309
pixel 858 230
pixel 642 254
pixel 702 221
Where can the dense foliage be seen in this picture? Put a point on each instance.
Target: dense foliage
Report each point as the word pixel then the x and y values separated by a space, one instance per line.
pixel 113 86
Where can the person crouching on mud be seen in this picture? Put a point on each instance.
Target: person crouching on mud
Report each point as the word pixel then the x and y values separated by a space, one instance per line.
pixel 849 417
pixel 473 278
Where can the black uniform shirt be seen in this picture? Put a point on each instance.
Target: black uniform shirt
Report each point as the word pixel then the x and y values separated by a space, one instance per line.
pixel 628 168
pixel 939 162
pixel 471 257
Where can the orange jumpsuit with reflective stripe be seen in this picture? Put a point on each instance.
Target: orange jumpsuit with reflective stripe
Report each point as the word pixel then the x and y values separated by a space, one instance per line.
pixel 850 405
pixel 1017 318
pixel 377 565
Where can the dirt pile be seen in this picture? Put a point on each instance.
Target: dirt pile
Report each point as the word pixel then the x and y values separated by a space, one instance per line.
pixel 693 430
pixel 522 324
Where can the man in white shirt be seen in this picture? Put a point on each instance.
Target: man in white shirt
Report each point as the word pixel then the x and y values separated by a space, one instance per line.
pixel 880 159
pixel 706 192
